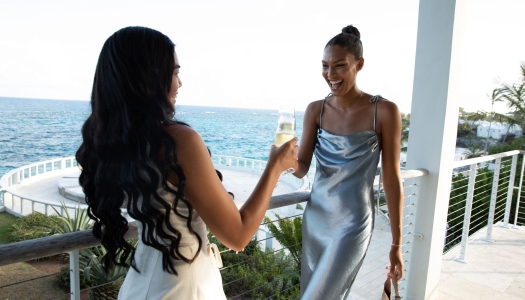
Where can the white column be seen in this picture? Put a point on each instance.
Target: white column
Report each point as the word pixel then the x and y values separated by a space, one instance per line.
pixel 433 125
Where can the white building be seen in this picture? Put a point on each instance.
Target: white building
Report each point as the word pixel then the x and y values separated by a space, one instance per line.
pixel 497 129
pixel 461 154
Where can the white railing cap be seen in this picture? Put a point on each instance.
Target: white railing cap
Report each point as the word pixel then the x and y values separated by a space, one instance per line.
pixel 477 160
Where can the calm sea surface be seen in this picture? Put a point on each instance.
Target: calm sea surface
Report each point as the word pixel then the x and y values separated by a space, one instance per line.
pixel 33 130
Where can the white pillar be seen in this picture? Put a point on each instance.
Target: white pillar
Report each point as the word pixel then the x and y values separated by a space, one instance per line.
pixel 433 126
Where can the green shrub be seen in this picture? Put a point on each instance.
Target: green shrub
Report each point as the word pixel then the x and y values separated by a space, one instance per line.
pixel 253 274
pixel 65 224
pixel 108 282
pixel 289 234
pixel 64 278
pixel 6 227
pixel 32 226
pixel 262 275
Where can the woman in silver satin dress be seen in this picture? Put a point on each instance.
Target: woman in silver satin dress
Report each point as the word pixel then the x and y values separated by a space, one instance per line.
pixel 347 131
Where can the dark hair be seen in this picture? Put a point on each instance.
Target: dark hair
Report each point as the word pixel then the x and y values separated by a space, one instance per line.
pixel 349 38
pixel 126 154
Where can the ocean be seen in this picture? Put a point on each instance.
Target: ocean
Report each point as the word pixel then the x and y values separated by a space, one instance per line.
pixel 33 130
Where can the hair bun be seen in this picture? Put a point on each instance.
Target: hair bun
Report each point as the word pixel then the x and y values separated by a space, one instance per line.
pixel 351 30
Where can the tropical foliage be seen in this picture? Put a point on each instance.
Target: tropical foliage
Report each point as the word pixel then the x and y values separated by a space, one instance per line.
pixel 257 274
pixel 107 284
pixel 32 226
pixel 288 232
pixel 65 224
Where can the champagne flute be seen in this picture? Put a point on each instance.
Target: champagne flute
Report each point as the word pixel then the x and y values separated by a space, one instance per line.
pixel 285 128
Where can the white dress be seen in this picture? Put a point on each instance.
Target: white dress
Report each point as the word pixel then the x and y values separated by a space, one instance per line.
pixel 200 280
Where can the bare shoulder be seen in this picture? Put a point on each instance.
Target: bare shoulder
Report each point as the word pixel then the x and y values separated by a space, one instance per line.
pixel 313 110
pixel 315 105
pixel 183 134
pixel 387 109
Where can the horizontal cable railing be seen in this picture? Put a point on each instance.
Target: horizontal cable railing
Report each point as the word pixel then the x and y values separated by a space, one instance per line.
pixel 276 258
pixel 482 196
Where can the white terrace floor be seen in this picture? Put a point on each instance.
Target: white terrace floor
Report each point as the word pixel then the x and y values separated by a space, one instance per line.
pixel 494 271
pixel 46 187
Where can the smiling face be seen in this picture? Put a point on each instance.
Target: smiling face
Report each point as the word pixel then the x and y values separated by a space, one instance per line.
pixel 340 69
pixel 176 83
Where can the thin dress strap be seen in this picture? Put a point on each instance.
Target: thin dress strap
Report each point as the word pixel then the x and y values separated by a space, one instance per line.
pixel 321 113
pixel 375 99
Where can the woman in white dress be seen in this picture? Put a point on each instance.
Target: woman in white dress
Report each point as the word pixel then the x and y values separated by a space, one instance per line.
pixel 135 155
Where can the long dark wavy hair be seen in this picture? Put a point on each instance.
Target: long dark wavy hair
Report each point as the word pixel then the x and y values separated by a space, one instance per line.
pixel 126 154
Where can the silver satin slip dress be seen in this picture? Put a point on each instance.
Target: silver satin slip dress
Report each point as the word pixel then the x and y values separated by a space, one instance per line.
pixel 339 218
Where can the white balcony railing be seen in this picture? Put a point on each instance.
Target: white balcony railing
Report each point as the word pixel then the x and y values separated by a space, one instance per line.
pixel 484 193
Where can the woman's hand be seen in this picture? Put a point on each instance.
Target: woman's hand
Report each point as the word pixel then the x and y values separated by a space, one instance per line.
pixel 285 156
pixel 396 263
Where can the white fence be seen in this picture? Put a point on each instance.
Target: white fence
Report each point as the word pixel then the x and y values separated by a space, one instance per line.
pixel 12 201
pixel 19 205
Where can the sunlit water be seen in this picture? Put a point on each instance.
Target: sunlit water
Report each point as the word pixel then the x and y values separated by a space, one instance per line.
pixel 33 130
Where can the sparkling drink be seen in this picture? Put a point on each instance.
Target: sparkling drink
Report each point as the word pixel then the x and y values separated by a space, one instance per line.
pixel 281 138
pixel 285 128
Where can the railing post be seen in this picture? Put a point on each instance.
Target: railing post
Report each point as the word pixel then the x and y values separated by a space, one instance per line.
pixel 409 231
pixel 74 275
pixel 228 161
pixel 468 209
pixel 62 164
pixel 493 198
pixel 21 205
pixel 510 191
pixel 47 209
pixel 519 193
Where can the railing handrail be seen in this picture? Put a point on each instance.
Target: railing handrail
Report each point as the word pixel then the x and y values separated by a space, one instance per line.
pixel 237 157
pixel 53 245
pixel 4 182
pixel 477 160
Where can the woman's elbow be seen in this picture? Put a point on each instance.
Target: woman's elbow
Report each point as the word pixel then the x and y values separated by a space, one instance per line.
pixel 236 244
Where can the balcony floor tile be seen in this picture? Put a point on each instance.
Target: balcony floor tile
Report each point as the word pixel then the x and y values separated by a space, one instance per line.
pixel 494 270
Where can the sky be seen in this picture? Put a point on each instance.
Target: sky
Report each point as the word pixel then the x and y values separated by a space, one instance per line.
pixel 251 53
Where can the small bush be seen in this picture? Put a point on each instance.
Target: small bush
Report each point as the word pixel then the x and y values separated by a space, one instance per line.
pixel 33 226
pixel 256 274
pixel 64 278
pixel 262 275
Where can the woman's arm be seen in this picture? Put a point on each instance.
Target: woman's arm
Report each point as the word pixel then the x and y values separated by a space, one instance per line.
pixel 308 138
pixel 389 120
pixel 203 189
